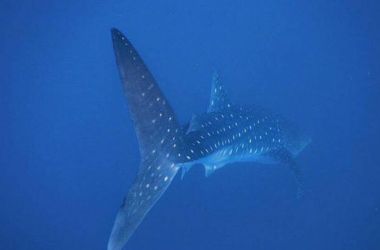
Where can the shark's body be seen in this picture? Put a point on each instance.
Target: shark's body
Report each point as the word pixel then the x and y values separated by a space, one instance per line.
pixel 224 134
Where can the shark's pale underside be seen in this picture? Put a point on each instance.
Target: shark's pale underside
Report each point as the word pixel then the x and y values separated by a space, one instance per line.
pixel 226 133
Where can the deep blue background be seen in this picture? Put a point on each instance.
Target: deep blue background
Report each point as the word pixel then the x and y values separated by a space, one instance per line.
pixel 68 151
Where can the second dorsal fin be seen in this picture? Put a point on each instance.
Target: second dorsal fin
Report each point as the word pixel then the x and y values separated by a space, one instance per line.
pixel 194 124
pixel 218 99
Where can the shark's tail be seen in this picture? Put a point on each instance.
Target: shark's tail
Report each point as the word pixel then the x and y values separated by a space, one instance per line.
pixel 159 136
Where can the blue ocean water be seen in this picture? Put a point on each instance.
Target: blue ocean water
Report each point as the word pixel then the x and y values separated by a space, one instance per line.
pixel 68 151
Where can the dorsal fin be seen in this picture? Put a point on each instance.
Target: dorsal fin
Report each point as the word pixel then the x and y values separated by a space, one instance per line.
pixel 194 124
pixel 218 99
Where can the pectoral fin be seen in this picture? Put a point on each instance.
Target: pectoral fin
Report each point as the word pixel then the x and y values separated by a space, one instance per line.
pixel 285 157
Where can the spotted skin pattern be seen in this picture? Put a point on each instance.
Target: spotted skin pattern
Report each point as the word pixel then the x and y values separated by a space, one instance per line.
pixel 226 133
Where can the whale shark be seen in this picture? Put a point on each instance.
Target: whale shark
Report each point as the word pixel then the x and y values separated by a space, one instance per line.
pixel 224 134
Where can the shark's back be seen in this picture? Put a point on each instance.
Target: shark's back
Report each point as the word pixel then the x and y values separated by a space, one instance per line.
pixel 229 133
pixel 242 133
